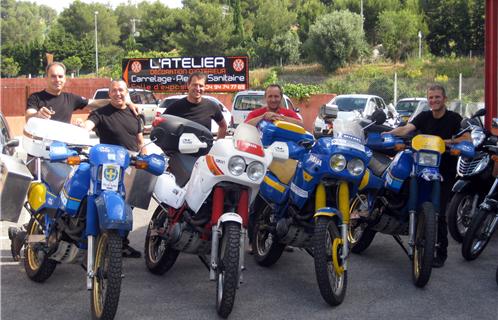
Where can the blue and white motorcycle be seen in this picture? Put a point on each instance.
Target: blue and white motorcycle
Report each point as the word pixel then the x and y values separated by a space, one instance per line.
pixel 304 201
pixel 86 212
pixel 402 197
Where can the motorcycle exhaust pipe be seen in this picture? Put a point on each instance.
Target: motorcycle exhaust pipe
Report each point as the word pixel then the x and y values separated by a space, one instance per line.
pixel 215 236
pixel 90 262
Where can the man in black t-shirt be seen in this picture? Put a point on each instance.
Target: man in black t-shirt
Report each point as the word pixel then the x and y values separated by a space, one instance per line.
pixel 117 124
pixel 52 103
pixel 443 123
pixel 193 107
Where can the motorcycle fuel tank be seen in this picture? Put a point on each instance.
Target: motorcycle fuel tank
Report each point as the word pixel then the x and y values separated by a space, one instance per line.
pixel 167 191
pixel 399 170
pixel 75 188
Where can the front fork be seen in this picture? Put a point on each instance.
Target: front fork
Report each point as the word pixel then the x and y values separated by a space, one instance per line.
pixel 343 200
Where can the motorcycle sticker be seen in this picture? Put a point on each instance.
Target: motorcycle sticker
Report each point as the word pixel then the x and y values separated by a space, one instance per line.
pixel 110 177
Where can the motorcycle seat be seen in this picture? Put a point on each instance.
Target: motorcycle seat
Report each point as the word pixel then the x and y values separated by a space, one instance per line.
pixel 54 174
pixel 283 170
pixel 181 165
pixel 379 163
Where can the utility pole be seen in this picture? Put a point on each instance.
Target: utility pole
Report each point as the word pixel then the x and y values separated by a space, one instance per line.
pixel 96 48
pixel 419 44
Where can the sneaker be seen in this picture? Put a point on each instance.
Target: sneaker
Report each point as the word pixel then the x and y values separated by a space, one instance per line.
pixel 17 237
pixel 129 252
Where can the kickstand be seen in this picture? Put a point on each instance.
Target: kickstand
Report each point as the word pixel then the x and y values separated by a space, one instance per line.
pixel 400 242
pixel 204 262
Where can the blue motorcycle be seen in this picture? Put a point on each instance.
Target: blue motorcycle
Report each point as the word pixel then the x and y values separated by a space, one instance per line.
pixel 402 197
pixel 304 201
pixel 88 214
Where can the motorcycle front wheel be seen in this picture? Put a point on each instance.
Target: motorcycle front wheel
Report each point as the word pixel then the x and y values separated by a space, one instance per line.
pixel 476 238
pixel 329 267
pixel 359 235
pixel 459 214
pixel 425 241
pixel 37 264
pixel 159 256
pixel 107 275
pixel 227 271
pixel 267 250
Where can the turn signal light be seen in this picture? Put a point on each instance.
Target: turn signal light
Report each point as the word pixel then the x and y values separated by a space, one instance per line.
pixel 399 147
pixel 140 164
pixel 494 158
pixel 73 160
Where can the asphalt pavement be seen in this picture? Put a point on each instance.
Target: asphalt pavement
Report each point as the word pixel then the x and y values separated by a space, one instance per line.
pixel 379 287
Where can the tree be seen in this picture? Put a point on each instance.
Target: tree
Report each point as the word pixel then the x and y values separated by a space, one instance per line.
pixel 10 68
pixel 336 39
pixel 273 19
pixel 158 25
pixel 73 64
pixel 285 48
pixel 307 11
pixel 208 28
pixel 398 32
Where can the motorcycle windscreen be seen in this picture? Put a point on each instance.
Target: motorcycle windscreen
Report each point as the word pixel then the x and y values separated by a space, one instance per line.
pixel 246 139
pixel 349 130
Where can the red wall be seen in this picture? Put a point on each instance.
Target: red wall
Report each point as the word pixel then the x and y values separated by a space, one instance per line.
pixel 15 92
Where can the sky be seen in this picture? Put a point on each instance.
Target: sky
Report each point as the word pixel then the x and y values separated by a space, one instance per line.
pixel 59 5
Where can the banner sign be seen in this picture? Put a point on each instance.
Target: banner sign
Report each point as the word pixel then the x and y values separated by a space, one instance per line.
pixel 225 74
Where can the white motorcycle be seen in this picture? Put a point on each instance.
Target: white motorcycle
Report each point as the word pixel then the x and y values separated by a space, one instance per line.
pixel 204 200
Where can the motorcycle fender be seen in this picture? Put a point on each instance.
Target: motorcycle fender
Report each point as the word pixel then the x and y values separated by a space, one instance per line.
pixel 328 212
pixel 461 185
pixel 229 216
pixel 113 212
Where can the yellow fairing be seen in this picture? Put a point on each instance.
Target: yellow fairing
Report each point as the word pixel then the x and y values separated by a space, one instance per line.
pixel 289 126
pixel 344 201
pixel 320 197
pixel 37 195
pixel 428 142
pixel 283 170
pixel 364 180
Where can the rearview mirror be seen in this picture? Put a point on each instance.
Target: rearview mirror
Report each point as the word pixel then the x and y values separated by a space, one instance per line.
pixel 479 113
pixel 329 111
pixel 379 117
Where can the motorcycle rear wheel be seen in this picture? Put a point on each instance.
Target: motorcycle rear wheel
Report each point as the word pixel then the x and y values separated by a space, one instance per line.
pixel 227 271
pixel 267 250
pixel 107 275
pixel 327 250
pixel 37 264
pixel 475 239
pixel 458 214
pixel 159 256
pixel 425 241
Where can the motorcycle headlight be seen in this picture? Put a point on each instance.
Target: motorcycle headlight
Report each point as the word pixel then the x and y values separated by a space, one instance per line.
pixel 236 165
pixel 355 167
pixel 255 170
pixel 337 162
pixel 478 137
pixel 428 159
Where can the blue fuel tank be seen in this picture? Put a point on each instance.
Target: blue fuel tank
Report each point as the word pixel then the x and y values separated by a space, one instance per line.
pixel 75 189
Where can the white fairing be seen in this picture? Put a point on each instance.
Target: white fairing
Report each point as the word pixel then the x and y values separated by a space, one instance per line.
pixel 203 179
pixel 167 191
pixel 39 134
pixel 189 143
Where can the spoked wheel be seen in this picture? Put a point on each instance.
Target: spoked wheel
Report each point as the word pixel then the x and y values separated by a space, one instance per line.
pixel 36 262
pixel 478 235
pixel 460 210
pixel 227 271
pixel 159 256
pixel 359 235
pixel 425 241
pixel 107 275
pixel 329 267
pixel 267 249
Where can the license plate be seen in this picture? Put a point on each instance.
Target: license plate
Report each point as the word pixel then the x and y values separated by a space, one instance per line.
pixel 110 177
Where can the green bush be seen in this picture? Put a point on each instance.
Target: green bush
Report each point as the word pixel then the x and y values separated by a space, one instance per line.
pixel 300 91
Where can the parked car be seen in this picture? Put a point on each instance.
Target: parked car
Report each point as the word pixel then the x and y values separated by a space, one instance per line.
pixel 246 101
pixel 405 107
pixel 421 107
pixel 168 101
pixel 351 105
pixel 144 99
pixel 7 143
